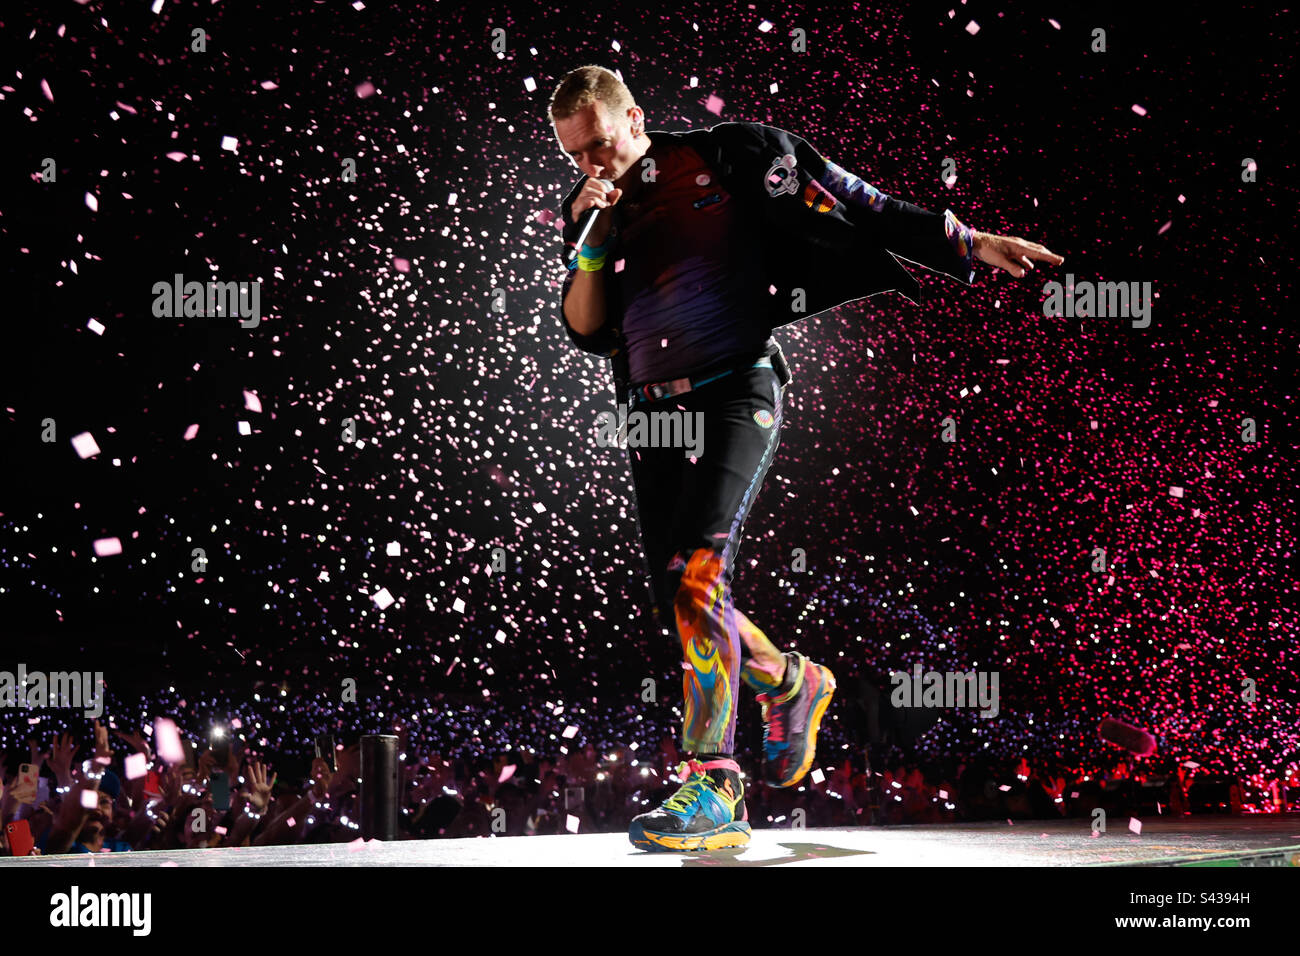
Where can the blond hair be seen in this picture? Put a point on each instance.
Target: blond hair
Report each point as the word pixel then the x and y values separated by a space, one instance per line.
pixel 579 88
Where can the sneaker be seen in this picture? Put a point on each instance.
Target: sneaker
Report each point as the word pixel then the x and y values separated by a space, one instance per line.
pixel 706 813
pixel 791 717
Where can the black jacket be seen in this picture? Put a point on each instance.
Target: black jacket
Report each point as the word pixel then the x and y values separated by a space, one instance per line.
pixel 832 250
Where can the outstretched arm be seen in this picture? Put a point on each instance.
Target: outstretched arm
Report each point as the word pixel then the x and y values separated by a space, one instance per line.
pixel 939 242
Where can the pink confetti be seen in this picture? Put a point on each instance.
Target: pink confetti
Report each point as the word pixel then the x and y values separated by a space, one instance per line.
pixel 177 156
pixel 45 88
pixel 365 89
pixel 92 203
pixel 1135 824
pixel 1175 491
pixel 1139 110
pixel 1054 24
pixel 107 547
pixel 402 265
pixel 972 28
pixel 714 104
pixel 137 766
pixel 571 823
pixel 168 741
pixel 251 401
pixel 90 799
pixel 383 599
pixel 569 732
pixel 85 445
pixel 507 772
pixel 191 432
pixel 269 85
pixel 229 143
pixel 1165 228
pixel 95 326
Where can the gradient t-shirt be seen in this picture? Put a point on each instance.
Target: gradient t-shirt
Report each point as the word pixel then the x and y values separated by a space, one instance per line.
pixel 690 271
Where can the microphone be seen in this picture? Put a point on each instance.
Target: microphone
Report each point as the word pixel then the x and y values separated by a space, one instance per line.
pixel 591 221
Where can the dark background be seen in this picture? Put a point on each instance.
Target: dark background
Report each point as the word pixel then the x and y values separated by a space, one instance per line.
pixel 1047 147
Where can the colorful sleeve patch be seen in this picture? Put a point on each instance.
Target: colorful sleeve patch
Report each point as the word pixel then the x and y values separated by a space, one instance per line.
pixel 816 197
pixel 962 239
pixel 851 189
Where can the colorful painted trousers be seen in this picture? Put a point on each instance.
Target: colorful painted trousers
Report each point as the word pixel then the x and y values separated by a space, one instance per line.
pixel 692 515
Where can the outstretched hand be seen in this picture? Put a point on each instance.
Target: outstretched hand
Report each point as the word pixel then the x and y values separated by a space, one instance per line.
pixel 1012 254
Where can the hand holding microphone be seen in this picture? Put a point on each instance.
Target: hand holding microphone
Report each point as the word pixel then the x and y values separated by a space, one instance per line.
pixel 596 195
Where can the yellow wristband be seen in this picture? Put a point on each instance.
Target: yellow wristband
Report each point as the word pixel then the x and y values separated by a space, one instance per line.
pixel 591 265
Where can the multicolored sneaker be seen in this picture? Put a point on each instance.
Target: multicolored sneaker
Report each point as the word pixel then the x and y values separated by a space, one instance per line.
pixel 706 813
pixel 791 716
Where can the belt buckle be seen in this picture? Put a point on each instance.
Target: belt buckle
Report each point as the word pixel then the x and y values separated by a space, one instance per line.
pixel 664 389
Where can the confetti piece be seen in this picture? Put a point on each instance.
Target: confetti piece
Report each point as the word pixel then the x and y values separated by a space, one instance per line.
pixel 818 776
pixel 137 766
pixel 95 326
pixel 571 823
pixel 1139 110
pixel 107 547
pixel 1135 825
pixel 229 143
pixel 394 549
pixel 365 90
pixel 92 203
pixel 714 104
pixel 383 599
pixel 570 732
pixel 167 740
pixel 252 402
pixel 191 432
pixel 85 445
pixel 972 28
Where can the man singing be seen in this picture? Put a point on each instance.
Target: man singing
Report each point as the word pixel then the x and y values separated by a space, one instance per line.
pixel 709 240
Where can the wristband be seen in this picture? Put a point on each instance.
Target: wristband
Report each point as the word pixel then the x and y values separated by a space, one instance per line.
pixel 593 252
pixel 587 264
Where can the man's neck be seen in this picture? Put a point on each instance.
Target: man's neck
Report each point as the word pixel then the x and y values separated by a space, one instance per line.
pixel 631 177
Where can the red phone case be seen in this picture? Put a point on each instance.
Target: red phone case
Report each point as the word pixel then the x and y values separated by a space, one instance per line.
pixel 151 784
pixel 20 838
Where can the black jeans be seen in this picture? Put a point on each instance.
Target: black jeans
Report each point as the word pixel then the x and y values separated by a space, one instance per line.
pixel 692 516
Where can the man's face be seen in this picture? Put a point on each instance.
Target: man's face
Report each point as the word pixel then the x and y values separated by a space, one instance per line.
pixel 599 144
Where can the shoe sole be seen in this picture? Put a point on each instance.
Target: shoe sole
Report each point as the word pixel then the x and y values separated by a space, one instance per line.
pixel 730 835
pixel 814 724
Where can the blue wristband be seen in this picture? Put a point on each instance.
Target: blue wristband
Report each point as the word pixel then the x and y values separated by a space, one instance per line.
pixel 588 252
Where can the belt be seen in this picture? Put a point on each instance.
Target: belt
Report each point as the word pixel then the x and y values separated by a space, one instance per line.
pixel 680 386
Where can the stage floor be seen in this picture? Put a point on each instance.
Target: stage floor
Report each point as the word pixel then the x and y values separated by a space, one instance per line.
pixel 1260 841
